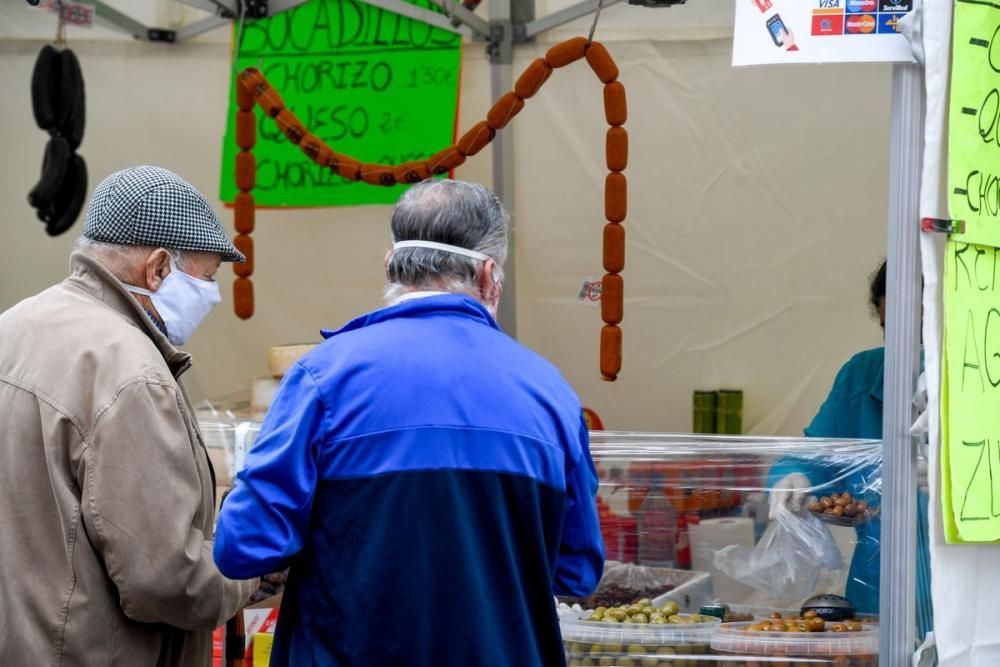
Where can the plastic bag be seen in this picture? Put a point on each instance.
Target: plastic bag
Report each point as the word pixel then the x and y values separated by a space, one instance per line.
pixel 787 561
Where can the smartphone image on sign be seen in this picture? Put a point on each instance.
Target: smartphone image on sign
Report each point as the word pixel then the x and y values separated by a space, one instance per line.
pixel 776 28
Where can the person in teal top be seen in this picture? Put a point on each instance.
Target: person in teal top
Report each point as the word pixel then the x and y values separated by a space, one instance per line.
pixel 853 409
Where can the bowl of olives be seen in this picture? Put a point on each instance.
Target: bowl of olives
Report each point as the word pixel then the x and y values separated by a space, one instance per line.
pixel 842 509
pixel 807 637
pixel 640 633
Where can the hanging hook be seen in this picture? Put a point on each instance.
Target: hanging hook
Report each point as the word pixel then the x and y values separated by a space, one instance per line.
pixel 239 37
pixel 593 26
pixel 61 26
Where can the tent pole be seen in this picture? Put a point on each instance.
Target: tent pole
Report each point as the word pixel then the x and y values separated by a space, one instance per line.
pixel 501 51
pixel 902 363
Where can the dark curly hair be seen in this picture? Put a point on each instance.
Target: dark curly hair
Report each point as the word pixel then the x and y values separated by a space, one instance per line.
pixel 876 288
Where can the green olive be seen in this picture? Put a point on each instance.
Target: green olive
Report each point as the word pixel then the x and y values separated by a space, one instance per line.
pixel 617 614
pixel 666 650
pixel 596 650
pixel 670 608
pixel 639 618
pixel 649 661
pixel 606 661
pixel 643 601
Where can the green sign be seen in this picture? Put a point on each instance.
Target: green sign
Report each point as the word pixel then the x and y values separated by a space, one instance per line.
pixel 970 377
pixel 370 83
pixel 970 393
pixel 974 121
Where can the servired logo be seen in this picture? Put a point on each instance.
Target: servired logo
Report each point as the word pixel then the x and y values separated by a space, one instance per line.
pixel 827 24
pixel 861 24
pixel 861 6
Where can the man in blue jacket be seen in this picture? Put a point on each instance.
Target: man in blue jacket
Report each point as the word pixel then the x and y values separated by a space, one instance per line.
pixel 426 478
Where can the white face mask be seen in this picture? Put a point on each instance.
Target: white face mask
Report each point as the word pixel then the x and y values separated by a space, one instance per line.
pixel 182 302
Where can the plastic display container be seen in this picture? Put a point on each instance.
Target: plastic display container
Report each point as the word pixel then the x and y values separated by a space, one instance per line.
pixel 596 643
pixel 750 649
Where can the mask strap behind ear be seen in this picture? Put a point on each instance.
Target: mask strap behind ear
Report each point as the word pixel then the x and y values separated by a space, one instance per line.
pixel 453 249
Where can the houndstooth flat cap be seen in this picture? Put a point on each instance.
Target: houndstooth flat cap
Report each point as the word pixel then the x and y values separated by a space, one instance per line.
pixel 155 207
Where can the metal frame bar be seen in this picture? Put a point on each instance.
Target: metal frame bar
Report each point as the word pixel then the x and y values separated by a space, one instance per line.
pixel 200 26
pixel 417 13
pixel 117 20
pixel 501 52
pixel 227 8
pixel 477 25
pixel 902 363
pixel 564 16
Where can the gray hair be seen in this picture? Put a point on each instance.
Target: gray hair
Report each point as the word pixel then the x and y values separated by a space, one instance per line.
pixel 123 260
pixel 457 213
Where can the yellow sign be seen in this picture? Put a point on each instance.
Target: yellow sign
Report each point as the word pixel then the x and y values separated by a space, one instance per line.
pixel 970 394
pixel 974 121
pixel 262 643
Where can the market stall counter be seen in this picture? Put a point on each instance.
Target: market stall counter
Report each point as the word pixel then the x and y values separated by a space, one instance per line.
pixel 701 571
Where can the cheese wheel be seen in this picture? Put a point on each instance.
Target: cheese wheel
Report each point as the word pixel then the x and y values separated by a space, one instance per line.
pixel 290 126
pixel 532 78
pixel 412 172
pixel 611 352
pixel 601 62
pixel 616 148
pixel 243 298
pixel 612 298
pixel 346 166
pixel 564 53
pixel 505 108
pixel 615 197
pixel 244 244
pixel 262 393
pixel 282 357
pixel 246 171
pixel 615 108
pixel 614 247
pixel 246 129
pixel 244 212
pixel 378 174
pixel 476 138
pixel 444 161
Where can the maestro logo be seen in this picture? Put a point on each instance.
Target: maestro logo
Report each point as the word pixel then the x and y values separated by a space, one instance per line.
pixel 862 6
pixel 861 24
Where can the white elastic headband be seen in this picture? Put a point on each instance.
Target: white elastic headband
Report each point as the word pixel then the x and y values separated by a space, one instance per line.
pixel 454 249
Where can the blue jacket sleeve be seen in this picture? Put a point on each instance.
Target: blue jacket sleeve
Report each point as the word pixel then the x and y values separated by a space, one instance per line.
pixel 581 552
pixel 263 521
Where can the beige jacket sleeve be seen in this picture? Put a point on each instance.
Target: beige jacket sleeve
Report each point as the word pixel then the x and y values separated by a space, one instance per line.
pixel 143 507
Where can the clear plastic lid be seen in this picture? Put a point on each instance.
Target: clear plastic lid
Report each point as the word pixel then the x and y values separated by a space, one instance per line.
pixel 576 629
pixel 733 638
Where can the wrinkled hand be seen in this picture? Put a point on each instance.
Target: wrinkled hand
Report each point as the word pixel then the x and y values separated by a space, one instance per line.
pixel 791 491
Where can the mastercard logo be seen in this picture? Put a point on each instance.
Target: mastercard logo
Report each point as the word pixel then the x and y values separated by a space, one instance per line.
pixel 861 5
pixel 861 24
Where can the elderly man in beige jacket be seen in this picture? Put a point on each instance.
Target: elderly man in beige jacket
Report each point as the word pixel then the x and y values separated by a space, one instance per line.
pixel 106 489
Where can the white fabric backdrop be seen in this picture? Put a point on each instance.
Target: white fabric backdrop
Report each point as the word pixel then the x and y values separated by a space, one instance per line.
pixel 757 211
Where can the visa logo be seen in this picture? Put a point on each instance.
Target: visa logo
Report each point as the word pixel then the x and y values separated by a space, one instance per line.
pixel 829 4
